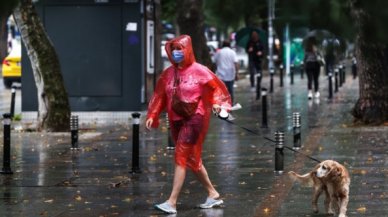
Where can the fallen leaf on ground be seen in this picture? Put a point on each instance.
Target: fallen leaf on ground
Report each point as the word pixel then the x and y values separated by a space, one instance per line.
pixel 361 209
pixel 78 197
pixel 127 200
pixel 153 158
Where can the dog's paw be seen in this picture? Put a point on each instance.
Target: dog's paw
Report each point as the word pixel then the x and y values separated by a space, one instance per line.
pixel 330 212
pixel 342 215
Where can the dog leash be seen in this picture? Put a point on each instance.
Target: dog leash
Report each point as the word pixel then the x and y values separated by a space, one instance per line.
pixel 271 140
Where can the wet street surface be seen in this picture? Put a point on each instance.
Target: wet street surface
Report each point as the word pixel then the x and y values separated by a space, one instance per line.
pixel 50 179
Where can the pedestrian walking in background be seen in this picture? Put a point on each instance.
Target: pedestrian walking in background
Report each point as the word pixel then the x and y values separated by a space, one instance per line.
pixel 312 67
pixel 227 66
pixel 255 50
pixel 189 92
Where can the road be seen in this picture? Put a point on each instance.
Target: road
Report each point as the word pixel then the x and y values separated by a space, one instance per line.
pixel 50 179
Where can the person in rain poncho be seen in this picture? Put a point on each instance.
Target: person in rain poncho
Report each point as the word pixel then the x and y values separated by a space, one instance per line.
pixel 196 84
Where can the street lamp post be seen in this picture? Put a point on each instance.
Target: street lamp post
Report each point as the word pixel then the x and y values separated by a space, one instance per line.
pixel 271 16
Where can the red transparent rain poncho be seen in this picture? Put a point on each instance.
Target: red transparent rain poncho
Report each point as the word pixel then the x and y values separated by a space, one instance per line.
pixel 197 82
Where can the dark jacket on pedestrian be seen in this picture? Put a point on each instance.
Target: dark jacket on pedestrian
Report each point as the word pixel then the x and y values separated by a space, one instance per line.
pixel 252 55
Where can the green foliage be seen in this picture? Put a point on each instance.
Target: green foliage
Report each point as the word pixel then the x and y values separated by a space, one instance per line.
pixel 336 16
pixel 231 15
pixel 332 15
pixel 168 10
pixel 17 117
pixel 218 12
pixel 374 19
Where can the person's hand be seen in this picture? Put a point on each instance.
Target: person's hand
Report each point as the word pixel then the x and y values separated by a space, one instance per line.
pixel 216 108
pixel 250 49
pixel 259 53
pixel 149 123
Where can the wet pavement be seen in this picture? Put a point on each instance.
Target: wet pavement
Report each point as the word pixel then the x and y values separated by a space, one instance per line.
pixel 50 179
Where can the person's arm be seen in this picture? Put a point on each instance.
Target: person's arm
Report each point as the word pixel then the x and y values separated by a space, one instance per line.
pixel 157 104
pixel 249 48
pixel 236 66
pixel 220 96
pixel 260 50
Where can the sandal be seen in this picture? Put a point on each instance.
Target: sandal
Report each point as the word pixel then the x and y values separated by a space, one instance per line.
pixel 210 203
pixel 165 207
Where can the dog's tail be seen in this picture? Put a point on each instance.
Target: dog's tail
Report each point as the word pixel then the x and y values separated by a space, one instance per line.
pixel 306 179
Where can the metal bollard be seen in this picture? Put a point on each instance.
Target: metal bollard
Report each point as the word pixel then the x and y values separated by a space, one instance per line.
pixel 135 143
pixel 335 80
pixel 271 73
pixel 330 77
pixel 74 131
pixel 344 73
pixel 281 74
pixel 279 155
pixel 292 73
pixel 264 122
pixel 12 112
pixel 354 68
pixel 341 75
pixel 170 145
pixel 7 145
pixel 301 67
pixel 258 85
pixel 296 123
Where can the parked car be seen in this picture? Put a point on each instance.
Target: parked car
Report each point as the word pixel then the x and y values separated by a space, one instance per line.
pixel 11 66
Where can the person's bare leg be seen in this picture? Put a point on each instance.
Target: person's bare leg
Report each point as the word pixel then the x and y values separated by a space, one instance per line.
pixel 203 177
pixel 179 178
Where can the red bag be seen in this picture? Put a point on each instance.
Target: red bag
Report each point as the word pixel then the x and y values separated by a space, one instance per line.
pixel 183 109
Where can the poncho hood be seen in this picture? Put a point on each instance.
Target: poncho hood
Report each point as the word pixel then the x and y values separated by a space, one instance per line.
pixel 184 42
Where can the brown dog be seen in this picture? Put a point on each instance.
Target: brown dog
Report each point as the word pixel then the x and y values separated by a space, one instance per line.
pixel 332 178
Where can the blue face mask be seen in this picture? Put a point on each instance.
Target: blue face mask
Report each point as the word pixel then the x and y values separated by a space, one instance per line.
pixel 177 56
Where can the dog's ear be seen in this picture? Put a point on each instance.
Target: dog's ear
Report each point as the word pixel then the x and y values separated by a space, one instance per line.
pixel 337 171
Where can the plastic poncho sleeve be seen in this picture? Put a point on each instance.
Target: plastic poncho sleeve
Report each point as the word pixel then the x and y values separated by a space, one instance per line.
pixel 220 94
pixel 158 101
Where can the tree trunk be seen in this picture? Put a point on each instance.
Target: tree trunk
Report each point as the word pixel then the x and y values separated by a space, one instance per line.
pixel 54 110
pixel 372 65
pixel 191 22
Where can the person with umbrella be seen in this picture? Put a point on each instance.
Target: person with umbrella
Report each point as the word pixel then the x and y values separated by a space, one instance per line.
pixel 255 50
